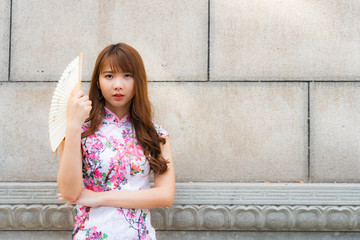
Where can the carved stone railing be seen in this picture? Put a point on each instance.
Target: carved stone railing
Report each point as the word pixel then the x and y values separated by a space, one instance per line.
pixel 204 206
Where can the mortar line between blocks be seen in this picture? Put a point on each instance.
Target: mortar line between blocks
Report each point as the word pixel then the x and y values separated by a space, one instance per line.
pixel 10 32
pixel 198 81
pixel 308 123
pixel 208 53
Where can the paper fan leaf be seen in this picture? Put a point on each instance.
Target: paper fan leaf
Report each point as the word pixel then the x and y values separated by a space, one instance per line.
pixel 69 82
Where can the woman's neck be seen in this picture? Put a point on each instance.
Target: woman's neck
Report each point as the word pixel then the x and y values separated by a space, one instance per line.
pixel 119 112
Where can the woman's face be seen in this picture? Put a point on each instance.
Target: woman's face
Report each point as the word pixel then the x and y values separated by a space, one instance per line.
pixel 118 89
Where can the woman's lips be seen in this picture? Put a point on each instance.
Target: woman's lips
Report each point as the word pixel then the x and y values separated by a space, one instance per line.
pixel 118 96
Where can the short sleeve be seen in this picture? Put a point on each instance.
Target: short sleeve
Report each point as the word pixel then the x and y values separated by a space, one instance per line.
pixel 161 130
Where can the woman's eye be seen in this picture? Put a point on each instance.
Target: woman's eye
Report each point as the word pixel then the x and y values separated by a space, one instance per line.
pixel 108 76
pixel 128 75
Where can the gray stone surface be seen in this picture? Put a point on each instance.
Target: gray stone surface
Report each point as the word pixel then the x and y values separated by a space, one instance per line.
pixel 35 235
pixel 231 235
pixel 220 132
pixel 171 36
pixel 210 193
pixel 335 132
pixel 194 235
pixel 245 131
pixel 235 131
pixel 4 39
pixel 25 153
pixel 284 40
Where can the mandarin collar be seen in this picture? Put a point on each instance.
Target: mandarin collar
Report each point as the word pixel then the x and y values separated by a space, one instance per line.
pixel 111 117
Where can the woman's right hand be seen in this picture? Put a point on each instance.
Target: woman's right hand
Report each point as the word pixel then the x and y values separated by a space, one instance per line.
pixel 78 111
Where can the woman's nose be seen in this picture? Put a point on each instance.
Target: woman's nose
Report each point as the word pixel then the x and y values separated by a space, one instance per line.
pixel 118 83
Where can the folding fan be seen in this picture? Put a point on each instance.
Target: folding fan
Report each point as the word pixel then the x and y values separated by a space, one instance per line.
pixel 68 84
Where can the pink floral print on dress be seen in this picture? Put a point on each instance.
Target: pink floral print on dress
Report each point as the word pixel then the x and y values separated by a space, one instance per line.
pixel 113 160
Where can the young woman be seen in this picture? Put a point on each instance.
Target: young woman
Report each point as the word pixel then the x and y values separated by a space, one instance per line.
pixel 111 147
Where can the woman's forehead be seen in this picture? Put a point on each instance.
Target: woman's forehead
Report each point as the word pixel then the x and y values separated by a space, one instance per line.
pixel 115 65
pixel 107 67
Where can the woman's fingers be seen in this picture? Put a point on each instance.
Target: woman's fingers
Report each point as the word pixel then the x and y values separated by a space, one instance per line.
pixel 84 98
pixel 79 109
pixel 60 198
pixel 80 93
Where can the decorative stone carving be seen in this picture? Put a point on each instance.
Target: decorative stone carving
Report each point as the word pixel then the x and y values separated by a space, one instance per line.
pixel 204 206
pixel 246 218
pixel 215 217
pixel 59 217
pixel 276 218
pixel 283 218
pixel 307 218
pixel 207 217
pixel 5 217
pixel 36 217
pixel 185 217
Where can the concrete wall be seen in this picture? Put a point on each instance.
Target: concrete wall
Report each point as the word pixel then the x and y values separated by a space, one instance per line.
pixel 250 91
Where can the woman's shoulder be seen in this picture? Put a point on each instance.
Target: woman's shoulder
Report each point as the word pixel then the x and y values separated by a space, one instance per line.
pixel 160 130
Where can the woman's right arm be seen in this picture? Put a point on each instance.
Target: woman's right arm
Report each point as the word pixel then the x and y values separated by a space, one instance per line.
pixel 69 178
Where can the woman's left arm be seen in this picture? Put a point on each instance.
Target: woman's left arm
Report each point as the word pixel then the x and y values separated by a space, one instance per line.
pixel 162 195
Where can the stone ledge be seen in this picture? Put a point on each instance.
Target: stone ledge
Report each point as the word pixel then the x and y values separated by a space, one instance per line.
pixel 203 206
pixel 206 217
pixel 211 194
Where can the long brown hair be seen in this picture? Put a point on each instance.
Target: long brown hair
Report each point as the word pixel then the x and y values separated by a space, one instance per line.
pixel 123 57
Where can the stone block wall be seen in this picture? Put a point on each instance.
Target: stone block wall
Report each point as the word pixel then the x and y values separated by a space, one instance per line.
pixel 261 100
